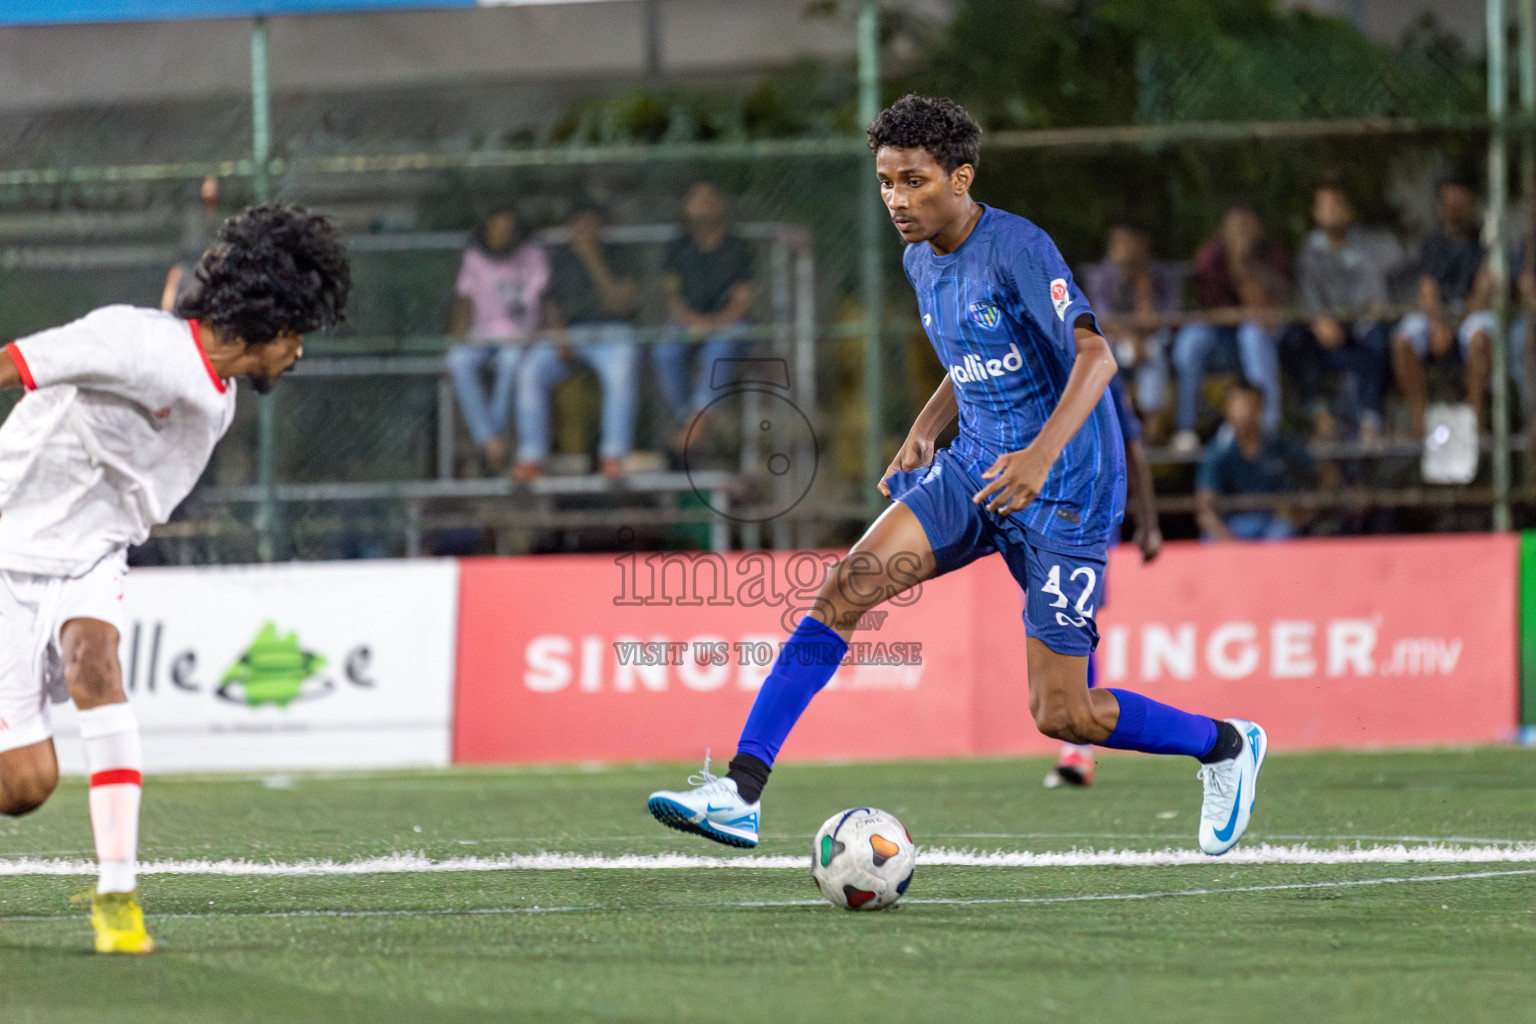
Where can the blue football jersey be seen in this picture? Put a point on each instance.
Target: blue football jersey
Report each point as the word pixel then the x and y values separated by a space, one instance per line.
pixel 999 312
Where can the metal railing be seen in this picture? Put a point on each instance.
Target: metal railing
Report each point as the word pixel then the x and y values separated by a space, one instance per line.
pixel 787 335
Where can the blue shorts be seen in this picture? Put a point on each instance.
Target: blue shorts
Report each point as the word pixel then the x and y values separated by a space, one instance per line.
pixel 1063 584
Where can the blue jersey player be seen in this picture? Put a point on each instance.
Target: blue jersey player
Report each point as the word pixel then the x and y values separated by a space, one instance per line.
pixel 1037 475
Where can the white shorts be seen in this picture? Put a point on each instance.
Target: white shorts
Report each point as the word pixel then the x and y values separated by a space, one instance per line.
pixel 33 611
pixel 1414 328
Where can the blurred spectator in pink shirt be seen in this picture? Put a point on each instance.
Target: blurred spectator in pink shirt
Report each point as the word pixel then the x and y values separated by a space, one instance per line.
pixel 500 294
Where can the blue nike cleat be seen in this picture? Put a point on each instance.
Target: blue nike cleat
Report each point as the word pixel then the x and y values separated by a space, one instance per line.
pixel 712 809
pixel 1230 788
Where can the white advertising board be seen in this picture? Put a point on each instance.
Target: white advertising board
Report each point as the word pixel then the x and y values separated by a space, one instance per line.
pixel 296 666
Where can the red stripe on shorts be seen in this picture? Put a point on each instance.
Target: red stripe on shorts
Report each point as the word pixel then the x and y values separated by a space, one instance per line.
pixel 118 777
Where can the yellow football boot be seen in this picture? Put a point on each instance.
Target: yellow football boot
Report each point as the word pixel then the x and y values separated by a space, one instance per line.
pixel 119 923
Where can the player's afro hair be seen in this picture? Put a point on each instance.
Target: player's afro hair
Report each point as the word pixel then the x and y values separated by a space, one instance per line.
pixel 273 269
pixel 943 127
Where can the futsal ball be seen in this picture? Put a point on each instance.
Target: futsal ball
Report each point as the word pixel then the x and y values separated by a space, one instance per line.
pixel 862 859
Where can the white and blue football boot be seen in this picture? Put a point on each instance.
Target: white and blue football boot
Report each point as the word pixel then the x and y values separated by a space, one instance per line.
pixel 1230 788
pixel 712 809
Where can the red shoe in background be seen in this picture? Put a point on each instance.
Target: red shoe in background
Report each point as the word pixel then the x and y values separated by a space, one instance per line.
pixel 1073 768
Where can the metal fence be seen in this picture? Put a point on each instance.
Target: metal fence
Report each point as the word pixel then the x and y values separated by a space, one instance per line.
pixel 359 451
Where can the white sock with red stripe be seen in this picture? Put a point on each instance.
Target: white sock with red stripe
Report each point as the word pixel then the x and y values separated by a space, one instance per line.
pixel 115 759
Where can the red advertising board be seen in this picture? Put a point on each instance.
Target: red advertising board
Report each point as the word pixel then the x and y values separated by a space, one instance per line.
pixel 544 644
pixel 651 656
pixel 1327 643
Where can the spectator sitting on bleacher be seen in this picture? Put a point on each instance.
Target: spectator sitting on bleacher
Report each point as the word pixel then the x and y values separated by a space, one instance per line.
pixel 590 309
pixel 1456 304
pixel 499 293
pixel 1127 283
pixel 1342 270
pixel 1239 270
pixel 708 278
pixel 1483 320
pixel 1439 330
pixel 1245 458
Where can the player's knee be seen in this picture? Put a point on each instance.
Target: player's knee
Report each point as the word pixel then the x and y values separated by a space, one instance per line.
pixel 22 792
pixel 856 585
pixel 91 675
pixel 833 608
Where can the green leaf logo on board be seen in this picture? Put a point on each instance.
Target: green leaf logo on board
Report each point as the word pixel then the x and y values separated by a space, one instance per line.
pixel 274 670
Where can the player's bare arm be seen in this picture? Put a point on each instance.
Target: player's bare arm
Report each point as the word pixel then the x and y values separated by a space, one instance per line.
pixel 1017 478
pixel 917 450
pixel 10 373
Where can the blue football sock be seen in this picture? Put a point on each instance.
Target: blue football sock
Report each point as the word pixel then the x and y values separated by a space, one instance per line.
pixel 804 666
pixel 1155 728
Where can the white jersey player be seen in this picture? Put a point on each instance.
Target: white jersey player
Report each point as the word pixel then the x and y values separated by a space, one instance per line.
pixel 122 410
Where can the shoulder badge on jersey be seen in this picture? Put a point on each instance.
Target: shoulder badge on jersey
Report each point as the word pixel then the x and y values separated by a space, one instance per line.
pixel 986 314
pixel 1059 297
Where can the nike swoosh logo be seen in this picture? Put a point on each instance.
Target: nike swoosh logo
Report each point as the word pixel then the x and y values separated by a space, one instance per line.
pixel 1224 834
pixel 712 809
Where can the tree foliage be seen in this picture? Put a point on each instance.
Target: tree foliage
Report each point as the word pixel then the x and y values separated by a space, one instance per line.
pixel 1033 63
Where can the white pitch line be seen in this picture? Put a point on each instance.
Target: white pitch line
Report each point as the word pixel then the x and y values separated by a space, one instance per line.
pixel 1349 884
pixel 770 904
pixel 410 863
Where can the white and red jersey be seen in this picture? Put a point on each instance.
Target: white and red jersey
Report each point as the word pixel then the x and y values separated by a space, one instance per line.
pixel 121 415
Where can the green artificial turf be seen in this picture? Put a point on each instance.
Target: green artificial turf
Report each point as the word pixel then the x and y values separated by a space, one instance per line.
pixel 686 945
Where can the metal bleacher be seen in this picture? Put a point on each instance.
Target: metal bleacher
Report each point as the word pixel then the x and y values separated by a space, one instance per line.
pixel 784 331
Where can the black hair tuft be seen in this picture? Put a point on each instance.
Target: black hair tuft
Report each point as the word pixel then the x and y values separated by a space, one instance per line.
pixel 943 127
pixel 273 269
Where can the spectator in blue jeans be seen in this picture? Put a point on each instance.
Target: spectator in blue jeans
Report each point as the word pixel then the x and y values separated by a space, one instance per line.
pixel 497 309
pixel 590 309
pixel 1239 275
pixel 1342 270
pixel 1244 458
pixel 708 278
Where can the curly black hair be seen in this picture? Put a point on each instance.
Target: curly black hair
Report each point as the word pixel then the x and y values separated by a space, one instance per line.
pixel 273 269
pixel 943 127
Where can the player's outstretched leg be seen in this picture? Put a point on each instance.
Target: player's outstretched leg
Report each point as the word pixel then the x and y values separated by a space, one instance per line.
pixel 1231 752
pixel 115 761
pixel 893 556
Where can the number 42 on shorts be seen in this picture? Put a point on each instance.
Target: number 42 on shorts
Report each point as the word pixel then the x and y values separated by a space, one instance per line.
pixel 1052 586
